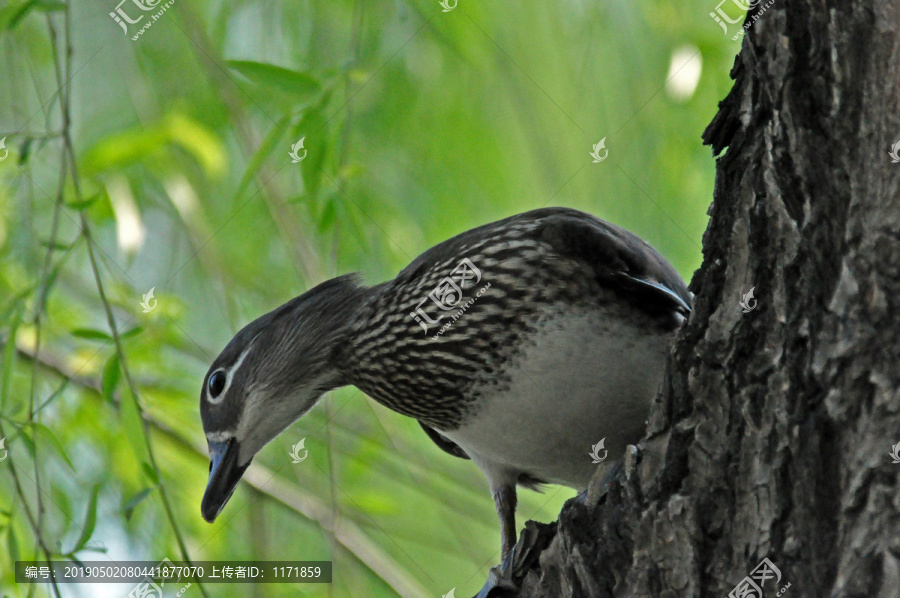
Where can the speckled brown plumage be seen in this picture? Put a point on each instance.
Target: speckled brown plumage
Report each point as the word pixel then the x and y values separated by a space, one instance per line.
pixel 535 266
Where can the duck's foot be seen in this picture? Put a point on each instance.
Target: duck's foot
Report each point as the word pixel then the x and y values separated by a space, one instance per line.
pixel 506 578
pixel 600 483
pixel 500 581
pixel 603 479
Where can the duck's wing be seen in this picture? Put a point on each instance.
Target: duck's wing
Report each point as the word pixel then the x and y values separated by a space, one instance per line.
pixel 620 260
pixel 445 444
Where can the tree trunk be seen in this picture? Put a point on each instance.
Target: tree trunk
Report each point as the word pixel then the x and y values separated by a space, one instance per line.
pixel 771 435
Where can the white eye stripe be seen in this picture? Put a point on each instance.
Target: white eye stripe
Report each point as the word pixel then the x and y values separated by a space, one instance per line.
pixel 228 375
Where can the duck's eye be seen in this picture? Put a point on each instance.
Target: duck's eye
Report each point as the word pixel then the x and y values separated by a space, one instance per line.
pixel 216 384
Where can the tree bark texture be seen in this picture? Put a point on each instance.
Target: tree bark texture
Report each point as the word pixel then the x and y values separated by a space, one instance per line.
pixel 770 437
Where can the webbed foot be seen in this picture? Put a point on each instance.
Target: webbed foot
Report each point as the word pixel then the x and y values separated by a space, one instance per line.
pixel 506 578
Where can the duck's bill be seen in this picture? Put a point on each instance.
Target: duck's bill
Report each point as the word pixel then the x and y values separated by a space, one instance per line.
pixel 224 475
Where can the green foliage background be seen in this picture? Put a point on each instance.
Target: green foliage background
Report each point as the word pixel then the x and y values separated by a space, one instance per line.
pixel 419 124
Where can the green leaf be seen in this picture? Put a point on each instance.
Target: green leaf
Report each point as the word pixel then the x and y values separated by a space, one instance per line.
pixel 12 15
pixel 50 5
pixel 90 334
pixel 26 438
pixel 194 137
pixel 84 203
pixel 148 469
pixel 132 424
pixel 269 144
pixel 131 332
pixel 25 150
pixel 15 406
pixel 15 303
pixel 124 148
pixel 110 379
pixel 149 142
pixel 13 545
pixel 329 214
pixel 51 280
pixel 57 246
pixel 74 559
pixel 312 125
pixel 9 354
pixel 48 434
pixel 298 85
pixel 131 505
pixel 90 521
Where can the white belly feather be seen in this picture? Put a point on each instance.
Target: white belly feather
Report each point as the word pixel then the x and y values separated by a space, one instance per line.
pixel 584 378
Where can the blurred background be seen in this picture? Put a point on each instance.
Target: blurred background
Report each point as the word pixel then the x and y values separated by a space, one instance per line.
pixel 155 163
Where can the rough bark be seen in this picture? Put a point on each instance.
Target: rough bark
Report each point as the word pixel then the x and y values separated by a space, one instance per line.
pixel 772 432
